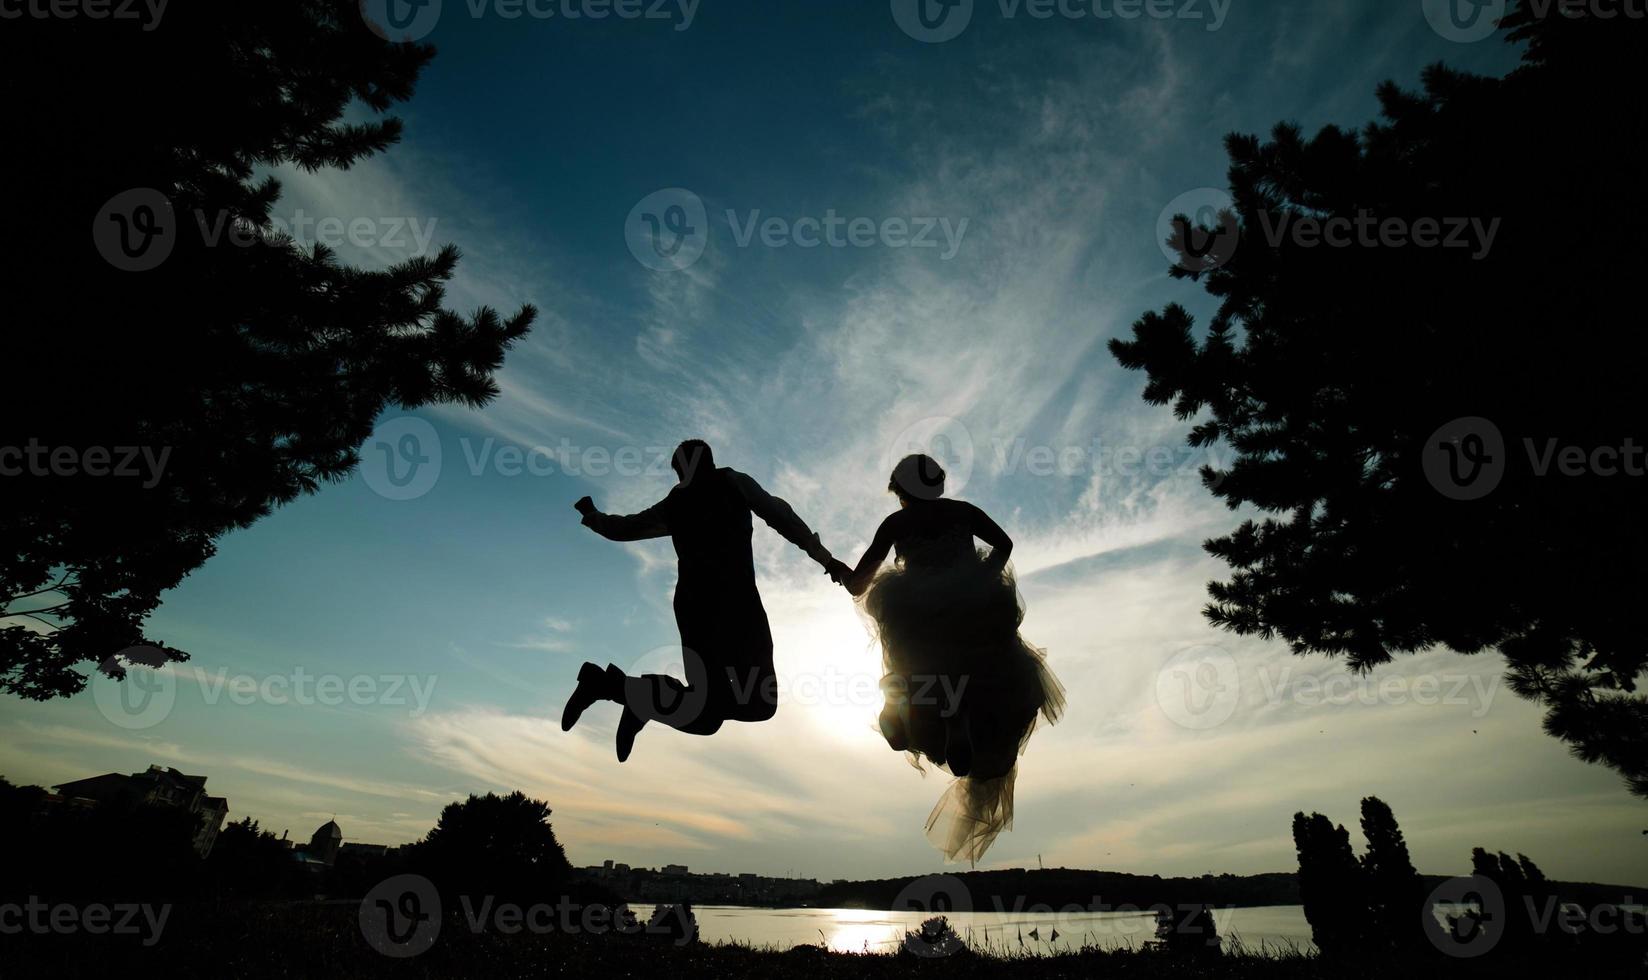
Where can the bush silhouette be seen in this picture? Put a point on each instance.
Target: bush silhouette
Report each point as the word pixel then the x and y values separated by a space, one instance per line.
pixel 501 847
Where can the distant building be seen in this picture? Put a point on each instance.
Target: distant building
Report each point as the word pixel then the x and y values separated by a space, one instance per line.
pixel 323 845
pixel 157 786
pixel 675 869
pixel 326 846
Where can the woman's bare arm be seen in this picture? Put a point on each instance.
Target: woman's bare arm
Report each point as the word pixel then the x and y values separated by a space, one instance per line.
pixel 861 576
pixel 988 531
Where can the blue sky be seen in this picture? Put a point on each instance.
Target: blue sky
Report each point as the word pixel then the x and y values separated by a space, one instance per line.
pixel 450 625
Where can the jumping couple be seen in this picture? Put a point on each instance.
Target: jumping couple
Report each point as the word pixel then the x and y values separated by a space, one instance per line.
pixel 961 688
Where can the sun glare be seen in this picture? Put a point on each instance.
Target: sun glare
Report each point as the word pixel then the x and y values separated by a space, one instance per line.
pixel 830 669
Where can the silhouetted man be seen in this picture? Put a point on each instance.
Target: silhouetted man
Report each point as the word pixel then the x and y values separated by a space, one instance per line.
pixel 727 647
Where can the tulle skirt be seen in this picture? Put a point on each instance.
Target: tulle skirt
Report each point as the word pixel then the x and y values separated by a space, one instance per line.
pixel 960 679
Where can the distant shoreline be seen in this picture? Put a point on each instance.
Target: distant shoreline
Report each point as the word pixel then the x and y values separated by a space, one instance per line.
pixel 1060 888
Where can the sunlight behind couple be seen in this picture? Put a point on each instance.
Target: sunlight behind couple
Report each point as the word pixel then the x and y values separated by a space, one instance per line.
pixel 828 669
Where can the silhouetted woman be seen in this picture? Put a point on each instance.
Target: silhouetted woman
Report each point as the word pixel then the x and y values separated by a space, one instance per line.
pixel 962 689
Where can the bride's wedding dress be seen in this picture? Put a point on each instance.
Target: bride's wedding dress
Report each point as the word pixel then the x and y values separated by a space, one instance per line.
pixel 948 621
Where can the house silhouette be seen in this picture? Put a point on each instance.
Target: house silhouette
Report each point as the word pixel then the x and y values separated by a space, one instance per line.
pixel 158 786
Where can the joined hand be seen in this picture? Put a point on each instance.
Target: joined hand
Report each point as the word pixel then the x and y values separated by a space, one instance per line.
pixel 838 571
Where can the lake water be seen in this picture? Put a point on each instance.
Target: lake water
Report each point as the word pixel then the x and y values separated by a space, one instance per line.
pixel 859 930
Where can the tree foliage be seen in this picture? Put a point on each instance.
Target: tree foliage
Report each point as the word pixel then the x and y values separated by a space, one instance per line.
pixel 1333 374
pixel 255 365
pixel 500 846
pixel 1396 895
pixel 249 862
pixel 1332 884
pixel 1359 905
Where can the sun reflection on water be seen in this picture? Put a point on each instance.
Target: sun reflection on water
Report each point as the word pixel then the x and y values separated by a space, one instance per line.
pixel 855 930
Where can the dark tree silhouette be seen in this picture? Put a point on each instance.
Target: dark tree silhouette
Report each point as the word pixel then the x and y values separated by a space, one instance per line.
pixel 1518 929
pixel 675 923
pixel 1333 375
pixel 1396 895
pixel 1332 885
pixel 252 365
pixel 502 846
pixel 249 862
pixel 1188 931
